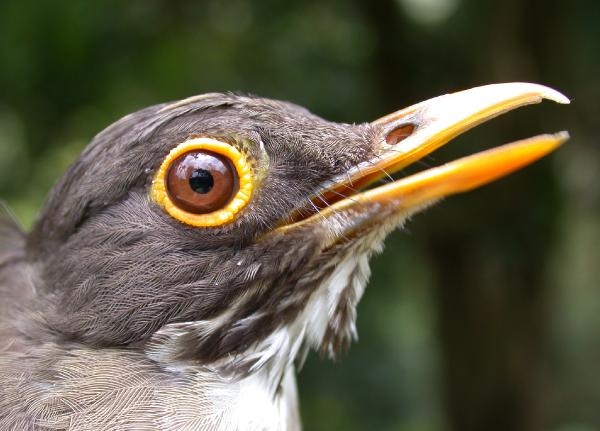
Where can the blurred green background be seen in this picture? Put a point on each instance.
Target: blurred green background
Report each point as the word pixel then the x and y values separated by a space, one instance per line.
pixel 484 314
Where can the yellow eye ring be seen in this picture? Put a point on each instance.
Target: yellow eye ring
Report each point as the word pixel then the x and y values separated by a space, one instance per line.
pixel 159 191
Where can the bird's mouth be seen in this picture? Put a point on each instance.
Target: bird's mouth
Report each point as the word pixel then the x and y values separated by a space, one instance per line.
pixel 408 135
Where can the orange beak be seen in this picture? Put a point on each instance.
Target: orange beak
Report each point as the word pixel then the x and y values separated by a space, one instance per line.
pixel 411 133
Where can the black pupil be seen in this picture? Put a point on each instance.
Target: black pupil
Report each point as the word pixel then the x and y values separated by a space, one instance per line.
pixel 201 181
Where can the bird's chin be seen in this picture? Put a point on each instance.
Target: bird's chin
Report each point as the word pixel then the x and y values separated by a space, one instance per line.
pixel 344 207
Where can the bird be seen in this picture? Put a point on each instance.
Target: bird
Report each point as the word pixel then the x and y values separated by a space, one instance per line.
pixel 189 259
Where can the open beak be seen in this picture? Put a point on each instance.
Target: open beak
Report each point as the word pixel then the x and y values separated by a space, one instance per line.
pixel 410 134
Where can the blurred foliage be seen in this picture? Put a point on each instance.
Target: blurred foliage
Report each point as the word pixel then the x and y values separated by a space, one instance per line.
pixel 70 68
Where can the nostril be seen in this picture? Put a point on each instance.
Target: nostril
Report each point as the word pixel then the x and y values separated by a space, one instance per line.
pixel 399 134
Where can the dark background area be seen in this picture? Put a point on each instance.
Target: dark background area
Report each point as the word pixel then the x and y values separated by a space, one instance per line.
pixel 484 314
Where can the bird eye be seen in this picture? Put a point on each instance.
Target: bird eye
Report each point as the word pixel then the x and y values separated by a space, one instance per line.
pixel 203 182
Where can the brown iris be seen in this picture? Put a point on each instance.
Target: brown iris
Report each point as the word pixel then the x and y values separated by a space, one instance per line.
pixel 201 182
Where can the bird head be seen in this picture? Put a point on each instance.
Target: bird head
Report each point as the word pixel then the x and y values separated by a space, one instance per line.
pixel 227 226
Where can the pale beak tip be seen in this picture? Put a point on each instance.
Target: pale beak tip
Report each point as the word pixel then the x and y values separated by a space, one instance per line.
pixel 555 96
pixel 561 138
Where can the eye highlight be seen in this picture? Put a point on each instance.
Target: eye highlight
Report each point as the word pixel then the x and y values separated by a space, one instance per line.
pixel 203 182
